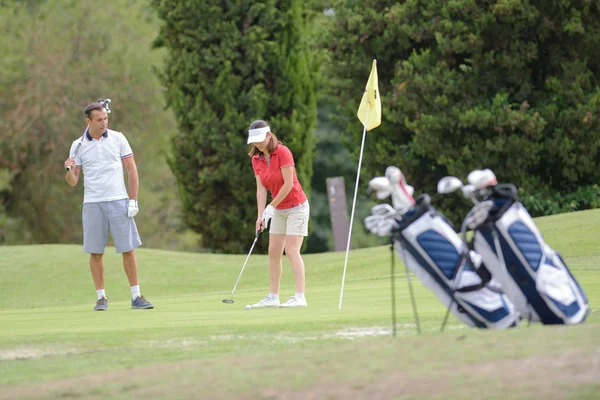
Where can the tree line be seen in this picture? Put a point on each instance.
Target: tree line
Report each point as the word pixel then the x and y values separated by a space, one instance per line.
pixel 510 85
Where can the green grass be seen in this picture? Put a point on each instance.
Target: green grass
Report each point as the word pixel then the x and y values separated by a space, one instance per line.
pixel 193 346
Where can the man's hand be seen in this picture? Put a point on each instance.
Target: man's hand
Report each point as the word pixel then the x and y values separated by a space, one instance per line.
pixel 268 214
pixel 70 164
pixel 132 209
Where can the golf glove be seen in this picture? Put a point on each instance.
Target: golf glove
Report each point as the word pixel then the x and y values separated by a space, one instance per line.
pixel 132 208
pixel 268 214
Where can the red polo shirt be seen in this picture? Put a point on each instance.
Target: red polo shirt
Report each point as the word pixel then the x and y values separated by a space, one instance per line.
pixel 271 177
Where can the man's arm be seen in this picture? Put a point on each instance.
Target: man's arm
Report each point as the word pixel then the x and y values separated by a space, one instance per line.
pixel 132 177
pixel 72 176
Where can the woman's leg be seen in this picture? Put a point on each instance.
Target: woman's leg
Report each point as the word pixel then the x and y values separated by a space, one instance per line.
pixel 292 249
pixel 276 245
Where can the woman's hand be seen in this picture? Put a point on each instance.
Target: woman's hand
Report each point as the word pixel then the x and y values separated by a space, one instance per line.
pixel 268 214
pixel 260 225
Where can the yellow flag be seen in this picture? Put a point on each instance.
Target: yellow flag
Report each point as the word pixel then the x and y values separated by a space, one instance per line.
pixel 371 101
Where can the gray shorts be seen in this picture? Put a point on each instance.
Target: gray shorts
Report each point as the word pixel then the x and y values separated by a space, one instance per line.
pixel 291 222
pixel 99 217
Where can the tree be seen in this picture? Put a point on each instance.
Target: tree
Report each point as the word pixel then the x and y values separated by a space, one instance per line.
pixel 510 85
pixel 53 65
pixel 230 63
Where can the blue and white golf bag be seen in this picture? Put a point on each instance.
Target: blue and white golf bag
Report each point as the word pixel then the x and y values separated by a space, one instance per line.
pixel 533 275
pixel 434 252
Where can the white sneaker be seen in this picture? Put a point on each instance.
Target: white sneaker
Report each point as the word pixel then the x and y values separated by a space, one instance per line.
pixel 267 302
pixel 294 302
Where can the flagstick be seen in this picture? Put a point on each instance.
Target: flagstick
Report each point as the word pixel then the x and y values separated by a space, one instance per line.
pixel 362 145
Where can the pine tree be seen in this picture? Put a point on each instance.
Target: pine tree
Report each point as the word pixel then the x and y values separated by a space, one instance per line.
pixel 230 63
pixel 511 85
pixel 53 66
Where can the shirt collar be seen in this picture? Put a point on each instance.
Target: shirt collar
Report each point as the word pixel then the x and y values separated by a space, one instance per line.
pixel 261 155
pixel 90 138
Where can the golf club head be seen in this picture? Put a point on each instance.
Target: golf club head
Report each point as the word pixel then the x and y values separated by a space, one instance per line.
pixel 228 301
pixel 449 184
pixel 106 104
pixel 383 210
pixel 482 178
pixel 468 191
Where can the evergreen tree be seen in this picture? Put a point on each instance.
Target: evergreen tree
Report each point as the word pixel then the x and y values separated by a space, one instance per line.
pixel 230 63
pixel 511 85
pixel 53 65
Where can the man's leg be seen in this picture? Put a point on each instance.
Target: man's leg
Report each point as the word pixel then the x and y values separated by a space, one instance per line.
pixel 97 268
pixel 131 267
pixel 126 239
pixel 95 237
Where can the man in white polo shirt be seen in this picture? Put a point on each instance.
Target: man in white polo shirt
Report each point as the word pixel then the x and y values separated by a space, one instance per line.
pixel 101 154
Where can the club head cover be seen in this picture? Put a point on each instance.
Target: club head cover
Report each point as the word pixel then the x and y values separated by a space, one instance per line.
pixel 402 193
pixel 482 178
pixel 381 186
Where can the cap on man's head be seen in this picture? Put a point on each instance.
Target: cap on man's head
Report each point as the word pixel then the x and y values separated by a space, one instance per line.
pixel 258 131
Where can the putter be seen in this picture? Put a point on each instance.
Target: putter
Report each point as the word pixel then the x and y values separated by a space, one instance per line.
pixel 230 299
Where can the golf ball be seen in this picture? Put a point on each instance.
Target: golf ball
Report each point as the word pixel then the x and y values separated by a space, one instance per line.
pixel 248 307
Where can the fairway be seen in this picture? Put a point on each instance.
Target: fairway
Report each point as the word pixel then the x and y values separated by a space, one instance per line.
pixel 194 346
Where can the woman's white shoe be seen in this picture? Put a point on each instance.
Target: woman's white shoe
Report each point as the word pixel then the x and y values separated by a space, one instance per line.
pixel 267 302
pixel 294 302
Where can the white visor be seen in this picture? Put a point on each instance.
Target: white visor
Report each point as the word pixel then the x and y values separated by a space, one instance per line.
pixel 258 134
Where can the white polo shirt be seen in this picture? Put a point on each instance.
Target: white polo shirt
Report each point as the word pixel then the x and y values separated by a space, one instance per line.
pixel 102 165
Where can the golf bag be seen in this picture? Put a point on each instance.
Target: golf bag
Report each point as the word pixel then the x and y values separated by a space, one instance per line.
pixel 533 275
pixel 435 253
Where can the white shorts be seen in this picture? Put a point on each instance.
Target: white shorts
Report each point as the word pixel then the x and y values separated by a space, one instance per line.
pixel 99 217
pixel 292 222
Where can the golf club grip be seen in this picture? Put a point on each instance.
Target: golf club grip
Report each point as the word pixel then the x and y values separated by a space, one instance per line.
pixel 68 168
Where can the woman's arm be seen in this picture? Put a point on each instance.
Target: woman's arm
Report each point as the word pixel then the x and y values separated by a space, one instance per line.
pixel 261 202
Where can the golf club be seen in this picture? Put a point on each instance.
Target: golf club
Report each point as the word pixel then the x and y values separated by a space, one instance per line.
pixel 68 167
pixel 105 103
pixel 482 178
pixel 449 184
pixel 230 299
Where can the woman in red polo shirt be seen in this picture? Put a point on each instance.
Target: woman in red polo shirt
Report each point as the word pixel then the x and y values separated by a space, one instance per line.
pixel 288 211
